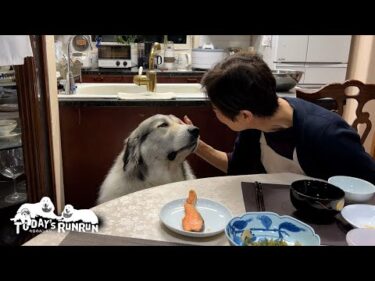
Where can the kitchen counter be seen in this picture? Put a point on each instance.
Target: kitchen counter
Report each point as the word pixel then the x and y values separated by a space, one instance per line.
pixel 117 102
pixel 134 70
pixel 71 101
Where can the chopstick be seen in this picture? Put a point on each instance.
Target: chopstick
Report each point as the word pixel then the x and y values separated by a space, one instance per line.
pixel 261 196
pixel 259 208
pixel 260 199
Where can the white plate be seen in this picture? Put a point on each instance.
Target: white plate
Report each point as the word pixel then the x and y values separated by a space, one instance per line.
pixel 360 215
pixel 215 216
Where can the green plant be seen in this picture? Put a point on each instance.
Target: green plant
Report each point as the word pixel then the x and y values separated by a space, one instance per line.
pixel 126 39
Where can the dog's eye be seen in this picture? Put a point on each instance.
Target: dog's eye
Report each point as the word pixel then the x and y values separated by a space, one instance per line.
pixel 163 125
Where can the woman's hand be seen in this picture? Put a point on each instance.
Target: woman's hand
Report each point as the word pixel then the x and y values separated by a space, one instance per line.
pixel 187 120
pixel 218 159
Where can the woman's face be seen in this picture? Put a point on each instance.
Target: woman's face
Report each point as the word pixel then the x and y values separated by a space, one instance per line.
pixel 237 125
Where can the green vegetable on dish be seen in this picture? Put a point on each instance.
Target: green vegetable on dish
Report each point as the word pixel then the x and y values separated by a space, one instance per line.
pixel 247 236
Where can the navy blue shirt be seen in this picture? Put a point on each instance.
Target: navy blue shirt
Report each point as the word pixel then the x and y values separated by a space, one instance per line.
pixel 326 145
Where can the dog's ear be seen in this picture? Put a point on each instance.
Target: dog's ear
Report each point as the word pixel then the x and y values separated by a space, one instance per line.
pixel 129 152
pixel 133 160
pixel 25 211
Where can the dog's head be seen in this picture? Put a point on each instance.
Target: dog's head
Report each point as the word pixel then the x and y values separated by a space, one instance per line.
pixel 68 211
pixel 159 138
pixel 47 205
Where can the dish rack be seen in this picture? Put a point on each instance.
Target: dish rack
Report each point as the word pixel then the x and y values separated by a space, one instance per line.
pixel 7 78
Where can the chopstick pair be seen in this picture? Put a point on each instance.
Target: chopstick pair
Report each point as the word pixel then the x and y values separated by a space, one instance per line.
pixel 259 196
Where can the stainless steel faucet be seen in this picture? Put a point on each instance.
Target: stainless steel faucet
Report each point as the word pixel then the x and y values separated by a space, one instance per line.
pixel 70 85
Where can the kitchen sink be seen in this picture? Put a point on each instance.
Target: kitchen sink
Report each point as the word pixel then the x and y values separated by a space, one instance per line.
pixel 134 92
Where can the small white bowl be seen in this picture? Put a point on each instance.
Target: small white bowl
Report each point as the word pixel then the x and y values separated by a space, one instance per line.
pixel 356 190
pixel 6 126
pixel 360 215
pixel 361 237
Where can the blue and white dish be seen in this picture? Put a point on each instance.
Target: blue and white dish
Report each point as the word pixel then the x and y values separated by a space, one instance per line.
pixel 270 226
pixel 214 214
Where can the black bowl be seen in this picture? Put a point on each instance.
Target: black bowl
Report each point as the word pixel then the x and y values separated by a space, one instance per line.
pixel 317 198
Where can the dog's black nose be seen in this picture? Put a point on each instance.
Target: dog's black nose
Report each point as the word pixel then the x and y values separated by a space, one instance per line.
pixel 194 132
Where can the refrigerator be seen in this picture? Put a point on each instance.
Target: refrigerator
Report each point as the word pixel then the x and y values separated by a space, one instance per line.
pixel 322 58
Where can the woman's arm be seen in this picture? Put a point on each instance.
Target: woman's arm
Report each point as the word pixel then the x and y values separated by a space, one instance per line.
pixel 216 158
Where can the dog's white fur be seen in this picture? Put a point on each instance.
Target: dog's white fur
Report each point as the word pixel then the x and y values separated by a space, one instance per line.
pixel 28 211
pixel 153 154
pixel 72 215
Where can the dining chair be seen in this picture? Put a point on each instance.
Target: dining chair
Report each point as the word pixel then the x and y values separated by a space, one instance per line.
pixel 350 89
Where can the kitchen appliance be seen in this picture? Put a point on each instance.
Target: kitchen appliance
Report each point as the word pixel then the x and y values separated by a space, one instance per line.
pixel 322 59
pixel 169 58
pixel 114 55
pixel 81 50
pixel 182 61
pixel 207 56
pixel 144 50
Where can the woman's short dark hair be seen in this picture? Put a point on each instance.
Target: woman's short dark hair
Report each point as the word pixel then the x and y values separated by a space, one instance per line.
pixel 242 81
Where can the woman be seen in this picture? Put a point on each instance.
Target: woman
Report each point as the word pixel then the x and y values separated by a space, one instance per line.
pixel 277 134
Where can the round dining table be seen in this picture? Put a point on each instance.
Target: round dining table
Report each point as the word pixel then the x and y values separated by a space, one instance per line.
pixel 136 215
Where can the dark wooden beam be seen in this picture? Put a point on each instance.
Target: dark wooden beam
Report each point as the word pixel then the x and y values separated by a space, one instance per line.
pixel 32 91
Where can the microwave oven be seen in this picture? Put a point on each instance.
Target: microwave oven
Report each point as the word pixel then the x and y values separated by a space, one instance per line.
pixel 114 55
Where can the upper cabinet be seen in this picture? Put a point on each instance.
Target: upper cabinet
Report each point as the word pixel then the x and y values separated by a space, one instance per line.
pixel 330 49
pixel 290 48
pixel 311 48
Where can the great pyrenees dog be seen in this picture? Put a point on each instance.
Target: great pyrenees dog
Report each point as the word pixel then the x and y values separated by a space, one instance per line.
pixel 72 215
pixel 153 154
pixel 28 211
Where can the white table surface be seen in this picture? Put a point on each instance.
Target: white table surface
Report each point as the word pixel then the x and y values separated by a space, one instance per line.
pixel 137 214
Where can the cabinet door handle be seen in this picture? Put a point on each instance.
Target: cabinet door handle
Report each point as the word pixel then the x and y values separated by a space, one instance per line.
pixel 98 78
pixel 192 80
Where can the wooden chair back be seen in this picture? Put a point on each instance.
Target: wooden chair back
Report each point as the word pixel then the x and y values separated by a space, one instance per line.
pixel 350 89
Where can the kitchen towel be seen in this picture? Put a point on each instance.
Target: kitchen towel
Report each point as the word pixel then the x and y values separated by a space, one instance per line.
pixel 91 239
pixel 277 200
pixel 146 96
pixel 14 49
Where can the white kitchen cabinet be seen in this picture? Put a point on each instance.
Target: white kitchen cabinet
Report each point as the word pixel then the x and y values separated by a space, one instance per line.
pixel 330 49
pixel 322 58
pixel 290 48
pixel 324 74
